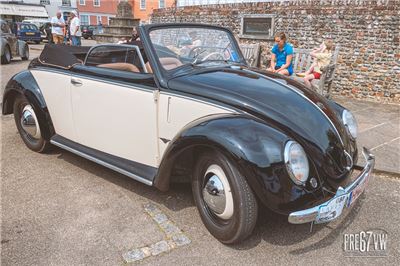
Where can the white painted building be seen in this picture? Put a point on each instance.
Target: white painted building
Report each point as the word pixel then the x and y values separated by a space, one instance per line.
pixel 65 6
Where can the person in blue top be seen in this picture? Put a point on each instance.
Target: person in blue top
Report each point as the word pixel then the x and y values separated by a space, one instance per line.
pixel 282 55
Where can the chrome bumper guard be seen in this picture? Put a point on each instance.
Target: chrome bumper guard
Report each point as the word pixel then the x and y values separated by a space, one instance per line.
pixel 312 214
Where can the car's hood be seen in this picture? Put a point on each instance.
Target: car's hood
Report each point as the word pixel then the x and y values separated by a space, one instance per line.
pixel 300 113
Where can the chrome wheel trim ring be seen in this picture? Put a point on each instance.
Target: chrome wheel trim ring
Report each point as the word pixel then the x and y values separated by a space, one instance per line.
pixel 217 192
pixel 29 122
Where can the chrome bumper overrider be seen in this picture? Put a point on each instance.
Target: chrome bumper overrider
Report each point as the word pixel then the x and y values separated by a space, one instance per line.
pixel 312 214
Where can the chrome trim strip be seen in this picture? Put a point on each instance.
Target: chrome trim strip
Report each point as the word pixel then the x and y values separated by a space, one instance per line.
pixel 310 215
pixel 302 95
pixel 110 166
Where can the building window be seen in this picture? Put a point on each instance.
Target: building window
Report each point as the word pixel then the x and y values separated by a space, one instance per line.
pixel 142 4
pixel 257 27
pixel 85 20
pixel 82 2
pixel 66 2
pixel 98 19
pixel 96 3
pixel 45 2
pixel 161 3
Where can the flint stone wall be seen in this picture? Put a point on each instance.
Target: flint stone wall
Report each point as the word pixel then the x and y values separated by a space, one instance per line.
pixel 367 31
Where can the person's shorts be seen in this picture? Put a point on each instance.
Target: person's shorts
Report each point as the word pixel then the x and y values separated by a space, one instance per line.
pixel 289 69
pixel 316 75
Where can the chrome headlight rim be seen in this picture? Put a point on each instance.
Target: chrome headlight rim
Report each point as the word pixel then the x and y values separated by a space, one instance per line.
pixel 287 158
pixel 350 123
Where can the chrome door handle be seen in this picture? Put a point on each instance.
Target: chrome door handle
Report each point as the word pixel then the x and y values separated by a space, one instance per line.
pixel 76 82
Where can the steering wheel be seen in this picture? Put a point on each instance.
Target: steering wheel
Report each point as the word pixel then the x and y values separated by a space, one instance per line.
pixel 217 54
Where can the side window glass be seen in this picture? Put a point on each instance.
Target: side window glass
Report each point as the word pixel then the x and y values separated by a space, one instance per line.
pixel 115 57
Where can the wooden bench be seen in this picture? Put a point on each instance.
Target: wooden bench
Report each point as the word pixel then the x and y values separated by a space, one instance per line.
pixel 251 53
pixel 302 61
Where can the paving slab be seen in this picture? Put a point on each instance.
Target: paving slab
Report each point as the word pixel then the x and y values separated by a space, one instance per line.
pixel 59 207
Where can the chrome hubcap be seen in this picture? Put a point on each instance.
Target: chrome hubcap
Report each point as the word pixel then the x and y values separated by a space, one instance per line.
pixel 30 123
pixel 217 192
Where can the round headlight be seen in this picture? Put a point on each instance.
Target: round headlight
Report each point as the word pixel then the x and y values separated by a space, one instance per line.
pixel 350 122
pixel 296 162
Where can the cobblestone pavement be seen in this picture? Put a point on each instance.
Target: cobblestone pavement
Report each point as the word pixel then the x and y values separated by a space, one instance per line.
pixel 60 209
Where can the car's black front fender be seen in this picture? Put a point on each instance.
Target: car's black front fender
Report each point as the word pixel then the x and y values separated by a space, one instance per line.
pixel 25 84
pixel 254 147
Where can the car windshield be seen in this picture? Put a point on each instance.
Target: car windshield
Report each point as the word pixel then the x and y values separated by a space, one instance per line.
pixel 193 46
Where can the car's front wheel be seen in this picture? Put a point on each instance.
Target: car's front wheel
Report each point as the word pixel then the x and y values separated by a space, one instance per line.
pixel 225 201
pixel 28 125
pixel 6 57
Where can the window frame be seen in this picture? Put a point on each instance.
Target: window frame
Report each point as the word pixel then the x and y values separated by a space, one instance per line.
pixel 266 36
pixel 98 1
pixel 128 46
pixel 142 4
pixel 159 4
pixel 82 20
pixel 82 2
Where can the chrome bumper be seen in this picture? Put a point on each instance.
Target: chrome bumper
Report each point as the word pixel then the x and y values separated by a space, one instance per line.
pixel 311 215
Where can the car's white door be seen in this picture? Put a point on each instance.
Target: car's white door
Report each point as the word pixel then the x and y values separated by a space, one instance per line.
pixel 55 87
pixel 116 119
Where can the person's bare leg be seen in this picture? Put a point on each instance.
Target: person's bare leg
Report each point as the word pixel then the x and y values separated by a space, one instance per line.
pixel 307 80
pixel 311 69
pixel 284 72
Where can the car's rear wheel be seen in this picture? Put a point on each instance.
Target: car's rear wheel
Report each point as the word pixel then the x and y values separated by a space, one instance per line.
pixel 225 201
pixel 28 125
pixel 6 57
pixel 25 56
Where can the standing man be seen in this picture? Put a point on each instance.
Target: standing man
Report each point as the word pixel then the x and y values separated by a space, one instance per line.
pixel 75 29
pixel 57 28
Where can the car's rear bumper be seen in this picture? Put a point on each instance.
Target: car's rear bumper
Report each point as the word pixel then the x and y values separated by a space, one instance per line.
pixel 343 194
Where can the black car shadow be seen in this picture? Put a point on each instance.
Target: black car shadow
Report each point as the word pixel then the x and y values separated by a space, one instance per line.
pixel 271 227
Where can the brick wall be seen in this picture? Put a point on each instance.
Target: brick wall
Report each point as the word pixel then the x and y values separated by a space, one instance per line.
pixel 367 30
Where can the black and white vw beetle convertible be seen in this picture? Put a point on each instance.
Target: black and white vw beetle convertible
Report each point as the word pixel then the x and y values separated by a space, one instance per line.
pixel 182 102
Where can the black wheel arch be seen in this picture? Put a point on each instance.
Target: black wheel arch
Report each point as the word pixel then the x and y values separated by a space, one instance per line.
pixel 25 84
pixel 255 147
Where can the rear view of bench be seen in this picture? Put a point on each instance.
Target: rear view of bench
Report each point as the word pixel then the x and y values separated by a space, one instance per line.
pixel 302 61
pixel 251 53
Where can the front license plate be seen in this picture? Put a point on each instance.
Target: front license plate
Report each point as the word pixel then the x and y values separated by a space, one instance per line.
pixel 30 33
pixel 331 210
pixel 358 190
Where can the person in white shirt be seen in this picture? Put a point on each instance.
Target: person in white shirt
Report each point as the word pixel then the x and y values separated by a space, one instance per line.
pixel 75 29
pixel 57 28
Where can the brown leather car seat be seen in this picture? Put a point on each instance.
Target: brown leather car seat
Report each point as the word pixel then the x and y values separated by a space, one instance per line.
pixel 167 62
pixel 170 62
pixel 121 66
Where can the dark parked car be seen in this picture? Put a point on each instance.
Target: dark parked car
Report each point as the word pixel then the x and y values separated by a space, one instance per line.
pixel 45 32
pixel 10 45
pixel 195 112
pixel 88 31
pixel 27 32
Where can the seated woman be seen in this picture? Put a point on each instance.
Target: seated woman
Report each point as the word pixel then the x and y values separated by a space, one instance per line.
pixel 282 55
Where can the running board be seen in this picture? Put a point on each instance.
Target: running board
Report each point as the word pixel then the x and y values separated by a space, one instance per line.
pixel 137 171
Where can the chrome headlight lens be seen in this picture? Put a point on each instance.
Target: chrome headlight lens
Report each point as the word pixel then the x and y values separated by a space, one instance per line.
pixel 296 162
pixel 350 122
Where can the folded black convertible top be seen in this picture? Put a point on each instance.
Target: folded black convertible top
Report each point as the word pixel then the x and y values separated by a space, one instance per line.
pixel 63 56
